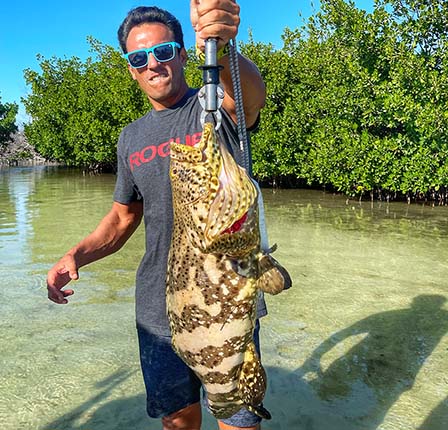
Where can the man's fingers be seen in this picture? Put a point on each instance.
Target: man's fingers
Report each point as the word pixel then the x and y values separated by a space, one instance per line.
pixel 194 13
pixel 73 275
pixel 207 6
pixel 58 278
pixel 219 31
pixel 56 295
pixel 67 293
pixel 215 18
pixel 59 296
pixel 70 271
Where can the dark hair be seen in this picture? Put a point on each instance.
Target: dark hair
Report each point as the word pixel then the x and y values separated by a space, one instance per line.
pixel 146 15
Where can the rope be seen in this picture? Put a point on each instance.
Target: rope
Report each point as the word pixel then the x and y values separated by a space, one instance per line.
pixel 239 107
pixel 244 141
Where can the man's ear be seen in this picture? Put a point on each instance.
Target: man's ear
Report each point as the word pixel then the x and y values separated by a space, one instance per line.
pixel 132 72
pixel 183 57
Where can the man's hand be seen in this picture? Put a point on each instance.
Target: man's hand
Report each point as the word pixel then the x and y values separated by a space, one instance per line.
pixel 214 19
pixel 59 276
pixel 109 236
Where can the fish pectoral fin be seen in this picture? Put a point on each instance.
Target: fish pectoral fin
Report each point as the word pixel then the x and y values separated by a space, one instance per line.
pixel 274 277
pixel 252 383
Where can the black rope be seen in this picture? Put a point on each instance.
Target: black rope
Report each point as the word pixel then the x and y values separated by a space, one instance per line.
pixel 239 106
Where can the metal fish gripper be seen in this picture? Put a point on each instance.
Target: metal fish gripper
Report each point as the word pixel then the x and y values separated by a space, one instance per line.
pixel 211 95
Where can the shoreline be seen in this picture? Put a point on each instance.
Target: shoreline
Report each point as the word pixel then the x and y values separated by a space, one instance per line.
pixel 432 197
pixel 11 162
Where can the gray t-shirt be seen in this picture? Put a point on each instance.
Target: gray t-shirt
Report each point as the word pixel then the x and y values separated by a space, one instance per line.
pixel 143 174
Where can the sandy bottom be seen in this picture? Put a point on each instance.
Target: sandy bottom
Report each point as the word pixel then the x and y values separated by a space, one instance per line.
pixel 359 343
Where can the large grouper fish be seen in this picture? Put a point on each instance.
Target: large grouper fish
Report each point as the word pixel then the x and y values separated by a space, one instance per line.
pixel 215 269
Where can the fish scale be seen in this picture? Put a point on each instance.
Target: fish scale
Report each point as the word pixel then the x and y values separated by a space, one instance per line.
pixel 215 269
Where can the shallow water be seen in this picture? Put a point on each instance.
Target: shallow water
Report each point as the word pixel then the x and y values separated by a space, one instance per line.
pixel 359 343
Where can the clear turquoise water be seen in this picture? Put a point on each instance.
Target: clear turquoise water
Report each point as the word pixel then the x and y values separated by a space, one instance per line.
pixel 360 342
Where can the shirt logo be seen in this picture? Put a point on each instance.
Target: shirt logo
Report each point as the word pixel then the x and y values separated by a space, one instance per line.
pixel 150 152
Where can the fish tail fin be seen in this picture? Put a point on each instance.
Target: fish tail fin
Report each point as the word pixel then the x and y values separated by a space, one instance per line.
pixel 252 383
pixel 260 411
pixel 274 277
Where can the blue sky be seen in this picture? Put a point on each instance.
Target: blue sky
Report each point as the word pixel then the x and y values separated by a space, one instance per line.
pixel 55 28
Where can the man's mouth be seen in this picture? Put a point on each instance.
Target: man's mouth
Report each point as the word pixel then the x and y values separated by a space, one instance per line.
pixel 157 78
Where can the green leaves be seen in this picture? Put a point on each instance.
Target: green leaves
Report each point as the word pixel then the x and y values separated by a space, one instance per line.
pixel 79 108
pixel 355 102
pixel 8 113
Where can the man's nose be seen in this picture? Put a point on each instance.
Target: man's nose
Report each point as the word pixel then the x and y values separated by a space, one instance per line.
pixel 152 61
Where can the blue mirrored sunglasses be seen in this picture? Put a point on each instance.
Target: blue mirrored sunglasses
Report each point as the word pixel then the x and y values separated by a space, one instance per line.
pixel 162 52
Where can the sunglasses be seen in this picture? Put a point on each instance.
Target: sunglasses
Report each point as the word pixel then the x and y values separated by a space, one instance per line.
pixel 162 52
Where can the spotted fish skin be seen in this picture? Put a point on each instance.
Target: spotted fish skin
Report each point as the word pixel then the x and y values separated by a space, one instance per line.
pixel 215 269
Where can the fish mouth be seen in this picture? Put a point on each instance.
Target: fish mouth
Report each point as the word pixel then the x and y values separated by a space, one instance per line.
pixel 214 196
pixel 236 226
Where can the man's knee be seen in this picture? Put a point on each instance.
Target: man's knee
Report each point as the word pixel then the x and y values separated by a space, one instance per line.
pixel 188 418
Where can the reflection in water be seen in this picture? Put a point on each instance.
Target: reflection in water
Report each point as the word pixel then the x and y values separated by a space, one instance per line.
pixel 358 343
pixel 15 214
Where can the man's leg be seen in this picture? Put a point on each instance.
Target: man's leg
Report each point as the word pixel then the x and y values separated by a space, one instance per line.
pixel 170 384
pixel 224 426
pixel 188 418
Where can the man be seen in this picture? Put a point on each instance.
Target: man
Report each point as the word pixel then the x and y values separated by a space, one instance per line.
pixel 153 41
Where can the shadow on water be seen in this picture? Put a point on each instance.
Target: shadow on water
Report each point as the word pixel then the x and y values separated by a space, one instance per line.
pixel 354 392
pixel 127 413
pixel 366 381
pixel 438 420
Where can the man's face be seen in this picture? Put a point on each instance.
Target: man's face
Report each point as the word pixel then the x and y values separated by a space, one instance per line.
pixel 163 83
